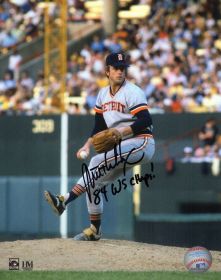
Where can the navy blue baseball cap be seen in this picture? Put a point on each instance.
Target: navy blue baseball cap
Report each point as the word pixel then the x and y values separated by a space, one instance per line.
pixel 117 59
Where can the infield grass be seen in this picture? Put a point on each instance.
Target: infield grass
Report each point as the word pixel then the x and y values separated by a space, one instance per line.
pixel 69 275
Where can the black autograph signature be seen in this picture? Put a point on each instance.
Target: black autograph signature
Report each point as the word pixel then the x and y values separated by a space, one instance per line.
pixel 90 176
pixel 122 184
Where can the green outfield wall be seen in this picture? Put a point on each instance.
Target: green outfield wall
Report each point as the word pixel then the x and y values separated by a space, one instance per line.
pixel 31 145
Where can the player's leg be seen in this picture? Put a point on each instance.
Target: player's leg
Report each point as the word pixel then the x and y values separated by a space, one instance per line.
pixel 94 197
pixel 105 168
pixel 92 233
pixel 136 150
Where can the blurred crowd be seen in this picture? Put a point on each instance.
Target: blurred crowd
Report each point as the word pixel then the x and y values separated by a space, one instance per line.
pixel 175 57
pixel 208 144
pixel 19 21
pixel 22 20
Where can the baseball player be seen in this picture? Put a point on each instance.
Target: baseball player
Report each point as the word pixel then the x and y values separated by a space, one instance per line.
pixel 123 127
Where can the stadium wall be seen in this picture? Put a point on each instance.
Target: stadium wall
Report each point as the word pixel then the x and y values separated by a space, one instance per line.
pixel 181 209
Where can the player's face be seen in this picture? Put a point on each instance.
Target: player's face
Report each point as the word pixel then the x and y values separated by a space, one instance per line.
pixel 116 74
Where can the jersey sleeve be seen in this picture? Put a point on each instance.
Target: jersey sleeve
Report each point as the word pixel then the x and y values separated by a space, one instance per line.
pixel 137 102
pixel 99 124
pixel 98 107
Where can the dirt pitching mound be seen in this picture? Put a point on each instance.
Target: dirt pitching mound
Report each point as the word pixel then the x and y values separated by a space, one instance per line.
pixel 66 254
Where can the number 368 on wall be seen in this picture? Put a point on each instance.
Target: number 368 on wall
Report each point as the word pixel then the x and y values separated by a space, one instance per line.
pixel 43 126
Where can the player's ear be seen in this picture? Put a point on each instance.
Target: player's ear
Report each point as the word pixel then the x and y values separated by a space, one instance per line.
pixel 107 71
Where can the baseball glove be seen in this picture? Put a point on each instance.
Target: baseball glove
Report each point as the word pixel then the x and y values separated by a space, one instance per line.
pixel 106 140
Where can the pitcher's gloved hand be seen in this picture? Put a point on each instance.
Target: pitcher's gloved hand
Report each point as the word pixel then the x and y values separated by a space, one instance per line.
pixel 106 140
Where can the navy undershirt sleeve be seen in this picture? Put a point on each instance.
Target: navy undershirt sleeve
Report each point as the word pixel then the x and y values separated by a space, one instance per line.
pixel 99 124
pixel 142 122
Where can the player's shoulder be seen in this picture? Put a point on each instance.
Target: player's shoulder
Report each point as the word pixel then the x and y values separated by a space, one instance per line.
pixel 133 90
pixel 104 90
pixel 131 87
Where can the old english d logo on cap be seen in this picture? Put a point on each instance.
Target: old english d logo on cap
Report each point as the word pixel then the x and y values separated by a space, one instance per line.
pixel 117 59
